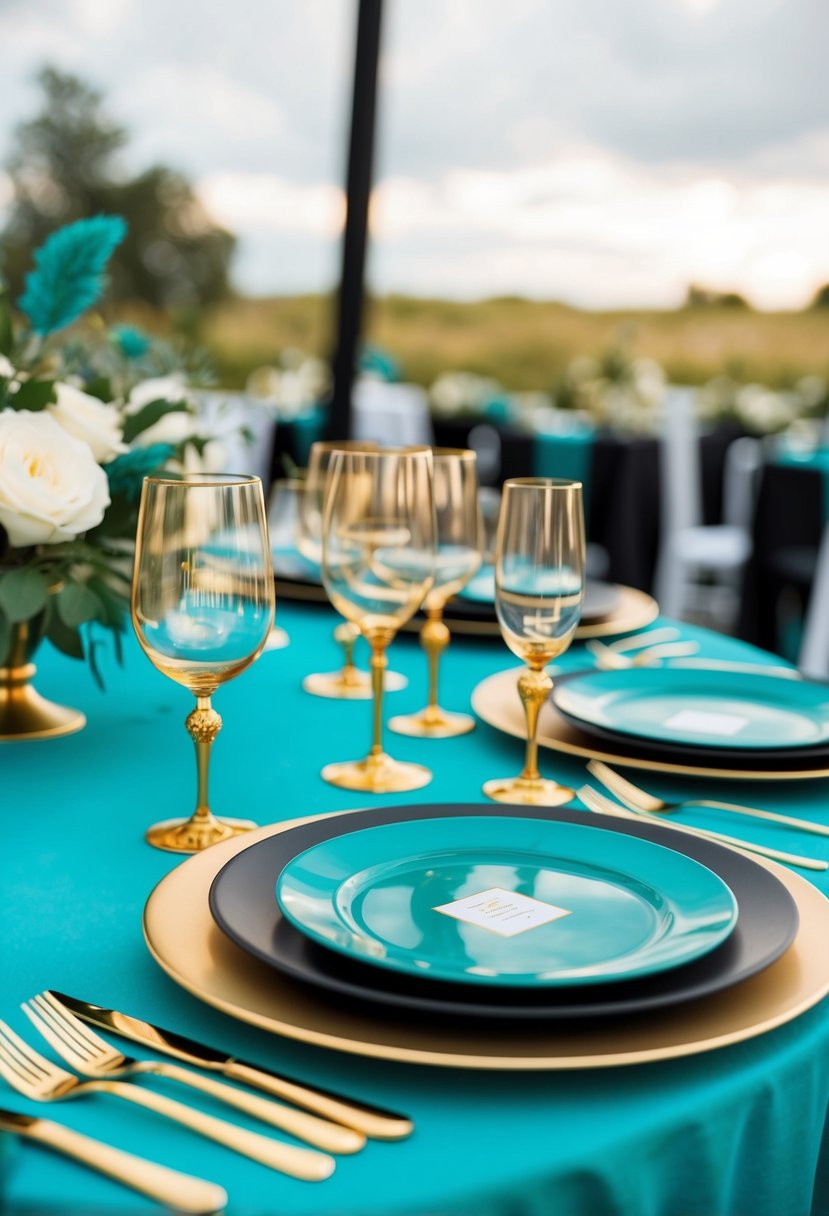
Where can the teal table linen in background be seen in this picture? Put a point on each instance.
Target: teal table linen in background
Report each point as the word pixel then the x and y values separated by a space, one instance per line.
pixel 734 1132
pixel 567 454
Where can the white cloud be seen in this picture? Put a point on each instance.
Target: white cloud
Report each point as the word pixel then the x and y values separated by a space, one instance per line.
pixel 604 232
pixel 266 203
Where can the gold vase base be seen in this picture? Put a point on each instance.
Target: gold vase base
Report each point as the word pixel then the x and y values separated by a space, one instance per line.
pixel 278 639
pixel 25 715
pixel 193 835
pixel 377 775
pixel 432 723
pixel 525 791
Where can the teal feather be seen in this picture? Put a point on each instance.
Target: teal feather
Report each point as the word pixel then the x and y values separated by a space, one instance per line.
pixel 69 269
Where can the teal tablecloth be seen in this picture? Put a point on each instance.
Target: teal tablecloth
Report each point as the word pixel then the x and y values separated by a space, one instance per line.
pixel 735 1132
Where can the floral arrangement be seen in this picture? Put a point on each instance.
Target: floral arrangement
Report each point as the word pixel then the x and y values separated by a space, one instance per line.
pixel 84 417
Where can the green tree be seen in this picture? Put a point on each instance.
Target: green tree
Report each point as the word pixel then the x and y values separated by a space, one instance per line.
pixel 64 168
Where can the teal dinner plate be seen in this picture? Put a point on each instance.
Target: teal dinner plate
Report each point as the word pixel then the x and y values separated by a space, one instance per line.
pixel 506 901
pixel 712 709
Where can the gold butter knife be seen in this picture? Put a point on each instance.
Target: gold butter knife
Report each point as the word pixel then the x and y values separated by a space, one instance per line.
pixel 182 1192
pixel 372 1121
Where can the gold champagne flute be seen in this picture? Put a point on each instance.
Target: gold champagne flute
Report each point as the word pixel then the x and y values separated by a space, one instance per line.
pixel 378 556
pixel 458 558
pixel 350 682
pixel 283 526
pixel 539 587
pixel 202 608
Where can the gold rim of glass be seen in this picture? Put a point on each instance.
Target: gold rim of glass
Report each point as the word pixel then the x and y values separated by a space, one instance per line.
pixel 205 479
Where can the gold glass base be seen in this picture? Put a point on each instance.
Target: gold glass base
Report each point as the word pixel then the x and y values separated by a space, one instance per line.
pixel 277 639
pixel 25 714
pixel 526 791
pixel 432 723
pixel 354 686
pixel 377 775
pixel 193 835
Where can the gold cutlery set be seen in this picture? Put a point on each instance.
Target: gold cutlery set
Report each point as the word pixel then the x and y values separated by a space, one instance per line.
pixel 330 1123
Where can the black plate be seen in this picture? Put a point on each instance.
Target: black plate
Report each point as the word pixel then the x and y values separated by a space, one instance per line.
pixel 658 749
pixel 243 905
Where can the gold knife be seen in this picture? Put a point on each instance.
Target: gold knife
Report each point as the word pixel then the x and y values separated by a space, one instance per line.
pixel 372 1121
pixel 182 1192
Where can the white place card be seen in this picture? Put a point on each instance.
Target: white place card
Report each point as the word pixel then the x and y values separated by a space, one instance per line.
pixel 503 912
pixel 699 723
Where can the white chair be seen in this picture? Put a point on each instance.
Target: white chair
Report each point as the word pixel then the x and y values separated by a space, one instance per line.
pixel 813 656
pixel 391 414
pixel 700 564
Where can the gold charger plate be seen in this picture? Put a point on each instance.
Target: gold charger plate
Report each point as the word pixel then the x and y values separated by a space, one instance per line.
pixel 495 700
pixel 189 947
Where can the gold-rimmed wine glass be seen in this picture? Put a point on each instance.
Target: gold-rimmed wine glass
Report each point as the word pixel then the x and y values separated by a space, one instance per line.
pixel 350 683
pixel 458 558
pixel 539 587
pixel 202 608
pixel 284 499
pixel 378 556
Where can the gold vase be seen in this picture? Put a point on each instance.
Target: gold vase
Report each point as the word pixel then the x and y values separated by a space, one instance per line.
pixel 24 713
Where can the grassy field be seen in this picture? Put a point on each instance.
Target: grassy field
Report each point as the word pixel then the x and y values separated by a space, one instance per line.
pixel 524 344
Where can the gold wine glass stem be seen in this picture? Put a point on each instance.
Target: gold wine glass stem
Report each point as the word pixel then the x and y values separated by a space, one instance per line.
pixel 203 725
pixel 378 665
pixel 434 638
pixel 534 687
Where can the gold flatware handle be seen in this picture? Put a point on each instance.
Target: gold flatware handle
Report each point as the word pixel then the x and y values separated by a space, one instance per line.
pixel 304 1163
pixel 745 846
pixel 175 1190
pixel 332 1137
pixel 377 1124
pixel 804 825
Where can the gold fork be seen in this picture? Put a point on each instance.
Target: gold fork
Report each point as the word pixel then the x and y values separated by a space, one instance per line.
pixel 594 801
pixel 91 1055
pixel 31 1074
pixel 639 800
pixel 613 660
pixel 181 1192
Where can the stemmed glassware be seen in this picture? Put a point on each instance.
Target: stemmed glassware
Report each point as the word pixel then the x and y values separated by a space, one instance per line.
pixel 202 608
pixel 378 557
pixel 539 587
pixel 283 522
pixel 350 682
pixel 458 558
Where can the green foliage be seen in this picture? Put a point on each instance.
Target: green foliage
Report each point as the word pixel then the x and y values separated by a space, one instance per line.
pixel 64 168
pixel 23 593
pixel 31 395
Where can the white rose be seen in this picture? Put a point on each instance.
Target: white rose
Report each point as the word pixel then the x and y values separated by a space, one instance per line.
pixel 90 420
pixel 6 368
pixel 51 487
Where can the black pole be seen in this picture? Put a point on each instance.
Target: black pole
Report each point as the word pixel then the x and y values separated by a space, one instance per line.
pixel 358 188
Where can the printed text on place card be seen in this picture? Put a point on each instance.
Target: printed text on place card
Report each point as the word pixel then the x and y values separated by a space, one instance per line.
pixel 504 912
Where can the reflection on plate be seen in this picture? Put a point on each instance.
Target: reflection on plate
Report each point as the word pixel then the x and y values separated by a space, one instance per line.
pixel 495 901
pixel 197 956
pixel 600 599
pixel 242 905
pixel 734 711
pixel 495 700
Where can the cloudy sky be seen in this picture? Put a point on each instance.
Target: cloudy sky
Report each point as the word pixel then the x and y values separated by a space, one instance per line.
pixel 603 152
